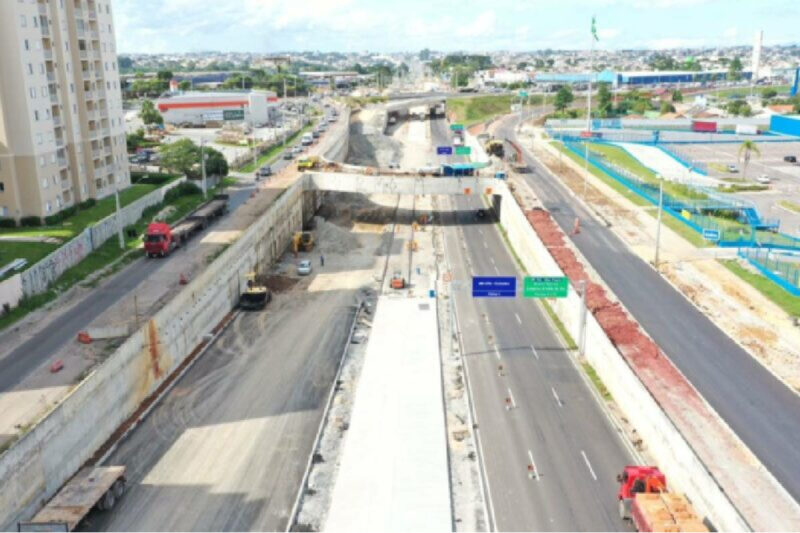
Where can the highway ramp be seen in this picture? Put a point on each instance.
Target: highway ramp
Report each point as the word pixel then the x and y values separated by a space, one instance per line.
pixel 759 408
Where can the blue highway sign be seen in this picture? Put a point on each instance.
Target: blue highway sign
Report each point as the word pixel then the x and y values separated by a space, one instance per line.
pixel 494 287
pixel 711 235
pixel 444 150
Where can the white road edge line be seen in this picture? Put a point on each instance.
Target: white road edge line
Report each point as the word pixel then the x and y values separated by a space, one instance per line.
pixel 511 397
pixel 555 395
pixel 535 353
pixel 588 465
pixel 496 353
pixel 518 318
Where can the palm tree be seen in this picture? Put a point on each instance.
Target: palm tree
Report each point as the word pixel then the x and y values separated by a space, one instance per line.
pixel 745 150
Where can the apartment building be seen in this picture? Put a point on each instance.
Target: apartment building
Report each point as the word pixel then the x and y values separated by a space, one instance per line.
pixel 62 132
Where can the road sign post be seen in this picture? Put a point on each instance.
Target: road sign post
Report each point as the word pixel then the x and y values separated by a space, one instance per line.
pixel 494 287
pixel 545 287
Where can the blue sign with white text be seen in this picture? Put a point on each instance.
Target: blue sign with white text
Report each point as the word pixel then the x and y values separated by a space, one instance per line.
pixel 494 287
pixel 711 235
pixel 444 150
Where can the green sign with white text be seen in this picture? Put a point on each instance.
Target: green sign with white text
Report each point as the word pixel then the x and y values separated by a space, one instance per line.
pixel 545 287
pixel 456 127
pixel 233 114
pixel 463 150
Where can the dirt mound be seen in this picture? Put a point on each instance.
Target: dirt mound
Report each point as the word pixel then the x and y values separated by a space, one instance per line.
pixel 279 283
pixel 333 239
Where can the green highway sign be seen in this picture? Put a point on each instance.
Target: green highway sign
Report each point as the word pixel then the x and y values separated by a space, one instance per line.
pixel 456 127
pixel 523 94
pixel 233 114
pixel 545 287
pixel 463 150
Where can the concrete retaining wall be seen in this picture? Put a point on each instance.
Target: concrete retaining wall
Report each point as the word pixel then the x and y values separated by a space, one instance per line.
pixel 38 464
pixel 38 278
pixel 338 151
pixel 674 455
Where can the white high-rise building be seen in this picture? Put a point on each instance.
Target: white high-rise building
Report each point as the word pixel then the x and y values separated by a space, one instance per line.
pixel 62 132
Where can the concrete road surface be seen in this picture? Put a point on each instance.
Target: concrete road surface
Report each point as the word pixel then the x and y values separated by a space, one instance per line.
pixel 227 447
pixel 556 423
pixel 37 350
pixel 763 411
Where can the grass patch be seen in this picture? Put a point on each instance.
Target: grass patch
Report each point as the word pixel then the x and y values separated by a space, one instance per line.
pixel 772 291
pixel 32 251
pixel 568 340
pixel 745 91
pixel 596 381
pixel 791 206
pixel 736 187
pixel 272 153
pixel 470 111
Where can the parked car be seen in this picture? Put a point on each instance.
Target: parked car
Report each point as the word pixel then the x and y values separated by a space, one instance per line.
pixel 304 267
pixel 264 172
pixel 288 153
pixel 298 149
pixel 763 179
pixel 790 159
pixel 732 168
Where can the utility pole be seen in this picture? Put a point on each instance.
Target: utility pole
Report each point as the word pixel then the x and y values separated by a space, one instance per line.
pixel 253 132
pixel 582 336
pixel 658 221
pixel 119 215
pixel 203 164
pixel 591 74
pixel 585 167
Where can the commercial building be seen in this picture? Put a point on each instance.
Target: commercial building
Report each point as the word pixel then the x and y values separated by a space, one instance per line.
pixel 62 135
pixel 200 108
pixel 638 78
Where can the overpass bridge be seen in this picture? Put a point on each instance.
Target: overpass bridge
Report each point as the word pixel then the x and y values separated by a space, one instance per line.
pixel 408 184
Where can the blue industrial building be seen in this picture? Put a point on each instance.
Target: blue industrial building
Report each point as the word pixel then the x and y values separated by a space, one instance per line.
pixel 785 125
pixel 638 78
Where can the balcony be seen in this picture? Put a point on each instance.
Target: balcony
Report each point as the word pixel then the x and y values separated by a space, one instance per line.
pixel 65 184
pixel 42 8
pixel 94 133
pixel 95 34
pixel 62 161
pixel 48 54
pixel 51 76
pixel 57 121
pixel 53 97
pixel 107 149
pixel 45 29
pixel 92 13
pixel 83 54
pixel 96 153
pixel 92 114
pixel 87 75
pixel 80 30
pixel 106 131
pixel 88 95
pixel 96 53
pixel 100 169
pixel 103 113
pixel 59 141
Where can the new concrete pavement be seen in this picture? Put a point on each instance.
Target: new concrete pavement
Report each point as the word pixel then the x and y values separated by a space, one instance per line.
pixel 555 423
pixel 763 411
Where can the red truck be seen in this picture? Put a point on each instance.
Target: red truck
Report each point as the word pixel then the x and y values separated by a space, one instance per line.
pixel 161 238
pixel 644 499
pixel 705 126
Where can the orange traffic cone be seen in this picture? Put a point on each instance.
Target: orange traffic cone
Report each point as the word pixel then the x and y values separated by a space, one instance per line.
pixel 577 227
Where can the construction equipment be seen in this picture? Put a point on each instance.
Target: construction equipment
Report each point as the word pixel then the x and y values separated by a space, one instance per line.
pixel 644 499
pixel 92 487
pixel 256 295
pixel 302 241
pixel 161 238
pixel 398 281
pixel 494 147
pixel 308 163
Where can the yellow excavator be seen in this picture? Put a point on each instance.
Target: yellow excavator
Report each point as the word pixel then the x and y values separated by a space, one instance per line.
pixel 256 295
pixel 302 241
pixel 494 147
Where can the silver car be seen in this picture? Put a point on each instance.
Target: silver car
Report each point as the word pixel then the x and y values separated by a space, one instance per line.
pixel 304 267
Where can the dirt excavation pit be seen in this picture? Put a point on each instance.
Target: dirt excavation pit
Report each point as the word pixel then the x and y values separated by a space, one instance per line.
pixel 369 146
pixel 279 283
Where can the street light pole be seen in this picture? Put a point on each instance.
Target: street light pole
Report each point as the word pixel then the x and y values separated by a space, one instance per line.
pixel 203 164
pixel 119 215
pixel 658 220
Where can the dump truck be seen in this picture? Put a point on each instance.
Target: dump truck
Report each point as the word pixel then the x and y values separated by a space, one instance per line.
pixel 161 238
pixel 256 295
pixel 308 163
pixel 645 500
pixel 302 241
pixel 98 487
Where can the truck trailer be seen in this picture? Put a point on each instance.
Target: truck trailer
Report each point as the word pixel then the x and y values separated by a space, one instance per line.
pixel 97 487
pixel 161 238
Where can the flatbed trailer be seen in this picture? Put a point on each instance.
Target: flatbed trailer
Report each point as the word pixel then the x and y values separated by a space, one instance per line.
pixel 215 208
pixel 92 487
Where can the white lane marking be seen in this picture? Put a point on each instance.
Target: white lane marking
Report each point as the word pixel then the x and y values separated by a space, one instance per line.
pixel 588 465
pixel 491 259
pixel 496 353
pixel 535 353
pixel 533 464
pixel 496 270
pixel 555 395
pixel 511 397
pixel 518 318
pixel 485 245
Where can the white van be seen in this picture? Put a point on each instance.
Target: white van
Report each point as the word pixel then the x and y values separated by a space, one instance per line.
pixel 307 139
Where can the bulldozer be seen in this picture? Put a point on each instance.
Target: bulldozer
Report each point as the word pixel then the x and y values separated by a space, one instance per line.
pixel 256 295
pixel 308 163
pixel 494 147
pixel 302 241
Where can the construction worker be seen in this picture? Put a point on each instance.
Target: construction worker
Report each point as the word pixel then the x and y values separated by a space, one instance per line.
pixel 321 260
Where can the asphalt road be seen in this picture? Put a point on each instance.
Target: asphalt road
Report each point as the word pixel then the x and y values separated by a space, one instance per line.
pixel 226 449
pixel 37 350
pixel 556 422
pixel 763 411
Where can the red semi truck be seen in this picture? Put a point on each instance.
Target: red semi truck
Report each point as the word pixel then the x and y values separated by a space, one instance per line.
pixel 644 499
pixel 705 126
pixel 161 238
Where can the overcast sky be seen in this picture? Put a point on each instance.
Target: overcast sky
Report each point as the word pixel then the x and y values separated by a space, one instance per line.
pixel 410 25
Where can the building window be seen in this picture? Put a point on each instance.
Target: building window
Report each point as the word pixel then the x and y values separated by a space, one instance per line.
pixel 45 183
pixel 2 186
pixel 41 161
pixel 30 68
pixel 39 138
pixel 47 207
pixel 27 45
pixel 35 115
pixel 32 92
pixel 23 21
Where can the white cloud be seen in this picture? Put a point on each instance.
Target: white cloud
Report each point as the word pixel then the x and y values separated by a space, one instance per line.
pixel 483 25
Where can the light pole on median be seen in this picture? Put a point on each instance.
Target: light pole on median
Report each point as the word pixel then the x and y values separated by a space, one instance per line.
pixel 658 218
pixel 119 215
pixel 203 165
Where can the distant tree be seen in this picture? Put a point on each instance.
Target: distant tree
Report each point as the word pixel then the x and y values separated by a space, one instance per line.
pixel 796 108
pixel 424 54
pixel 522 65
pixel 164 75
pixel 185 85
pixel 662 62
pixel 538 63
pixel 666 107
pixel 739 108
pixel 640 106
pixel 603 100
pixel 564 97
pixel 746 149
pixel 735 69
pixel 150 115
pixel 134 140
pixel 124 62
pixel 550 63
pixel 677 96
pixel 182 156
pixel 216 164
